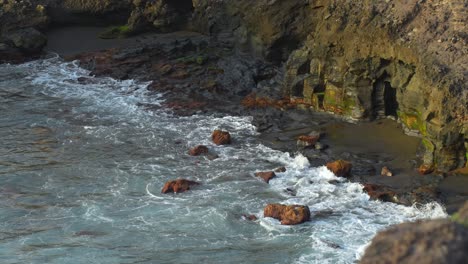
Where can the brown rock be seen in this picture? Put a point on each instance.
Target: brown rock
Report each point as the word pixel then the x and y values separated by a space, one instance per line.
pixel 280 169
pixel 288 214
pixel 386 172
pixel 379 192
pixel 178 186
pixel 340 168
pixel 220 137
pixel 198 150
pixel 429 241
pixel 425 169
pixel 266 175
pixel 307 140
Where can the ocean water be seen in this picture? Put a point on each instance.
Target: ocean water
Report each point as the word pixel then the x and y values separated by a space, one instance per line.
pixel 82 165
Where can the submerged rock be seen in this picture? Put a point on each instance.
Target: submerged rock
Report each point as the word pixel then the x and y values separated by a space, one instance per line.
pixel 266 175
pixel 178 186
pixel 198 150
pixel 220 137
pixel 288 214
pixel 430 241
pixel 250 217
pixel 340 168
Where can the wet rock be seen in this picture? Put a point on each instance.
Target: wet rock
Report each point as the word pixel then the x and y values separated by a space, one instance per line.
pixel 28 40
pixel 425 169
pixel 306 141
pixel 380 192
pixel 178 186
pixel 250 217
pixel 266 175
pixel 280 169
pixel 386 172
pixel 429 241
pixel 198 150
pixel 220 137
pixel 213 156
pixel 288 214
pixel 340 168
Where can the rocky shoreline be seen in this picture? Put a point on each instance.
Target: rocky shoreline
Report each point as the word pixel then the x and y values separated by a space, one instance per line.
pixel 302 69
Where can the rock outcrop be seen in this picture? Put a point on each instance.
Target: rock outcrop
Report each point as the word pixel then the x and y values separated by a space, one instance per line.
pixel 426 241
pixel 363 60
pixel 288 214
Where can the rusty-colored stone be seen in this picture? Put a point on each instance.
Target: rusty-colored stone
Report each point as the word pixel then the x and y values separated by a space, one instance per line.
pixel 220 137
pixel 288 214
pixel 178 186
pixel 266 175
pixel 340 168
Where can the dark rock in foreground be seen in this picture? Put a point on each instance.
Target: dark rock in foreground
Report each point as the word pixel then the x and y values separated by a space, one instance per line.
pixel 430 241
pixel 288 214
pixel 178 186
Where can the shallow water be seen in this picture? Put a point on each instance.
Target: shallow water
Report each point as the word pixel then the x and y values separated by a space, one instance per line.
pixel 82 166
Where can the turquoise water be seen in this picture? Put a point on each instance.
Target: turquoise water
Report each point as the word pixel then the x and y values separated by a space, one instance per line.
pixel 82 165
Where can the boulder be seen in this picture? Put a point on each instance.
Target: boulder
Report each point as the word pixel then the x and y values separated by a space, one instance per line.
pixel 178 186
pixel 266 175
pixel 340 168
pixel 198 150
pixel 220 137
pixel 288 214
pixel 428 241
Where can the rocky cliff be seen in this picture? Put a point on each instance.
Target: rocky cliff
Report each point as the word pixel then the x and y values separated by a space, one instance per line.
pixel 361 60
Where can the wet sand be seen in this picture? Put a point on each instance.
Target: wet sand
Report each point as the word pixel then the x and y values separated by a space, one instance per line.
pixel 73 40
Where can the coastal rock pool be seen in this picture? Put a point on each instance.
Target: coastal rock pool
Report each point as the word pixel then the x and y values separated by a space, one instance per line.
pixel 83 161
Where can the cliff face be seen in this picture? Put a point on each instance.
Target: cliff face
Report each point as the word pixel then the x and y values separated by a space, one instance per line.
pixel 364 60
pixel 359 59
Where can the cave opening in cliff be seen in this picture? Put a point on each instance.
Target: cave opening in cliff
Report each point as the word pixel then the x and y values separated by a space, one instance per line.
pixel 384 101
